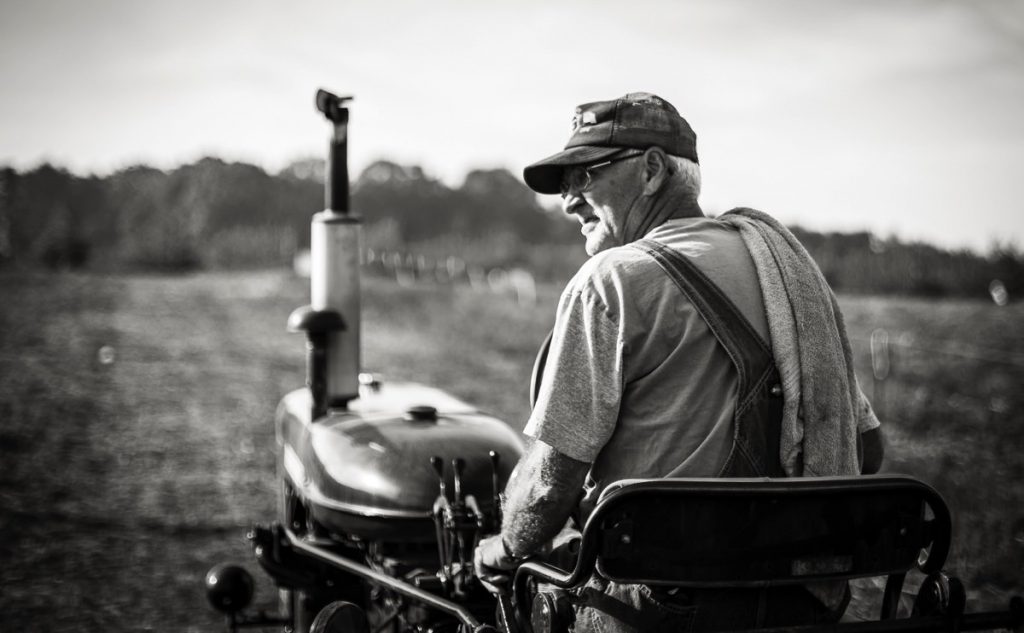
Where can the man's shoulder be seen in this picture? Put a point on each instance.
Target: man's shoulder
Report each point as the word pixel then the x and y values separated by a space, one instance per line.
pixel 614 271
pixel 613 278
pixel 618 261
pixel 714 246
pixel 704 240
pixel 718 250
pixel 697 236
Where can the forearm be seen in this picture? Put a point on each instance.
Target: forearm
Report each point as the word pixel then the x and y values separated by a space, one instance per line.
pixel 539 498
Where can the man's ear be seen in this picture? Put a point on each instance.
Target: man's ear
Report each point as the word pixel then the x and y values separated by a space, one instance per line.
pixel 656 170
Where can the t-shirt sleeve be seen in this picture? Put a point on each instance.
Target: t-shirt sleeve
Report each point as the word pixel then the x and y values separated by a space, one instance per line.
pixel 578 403
pixel 866 418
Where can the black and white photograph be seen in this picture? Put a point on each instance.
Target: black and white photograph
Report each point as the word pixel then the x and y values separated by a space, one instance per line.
pixel 511 316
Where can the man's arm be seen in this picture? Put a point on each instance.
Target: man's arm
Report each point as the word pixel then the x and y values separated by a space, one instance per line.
pixel 540 496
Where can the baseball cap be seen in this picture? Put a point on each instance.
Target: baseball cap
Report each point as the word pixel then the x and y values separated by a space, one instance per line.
pixel 604 128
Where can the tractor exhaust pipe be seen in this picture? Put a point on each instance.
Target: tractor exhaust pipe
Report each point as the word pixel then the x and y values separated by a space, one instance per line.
pixel 334 258
pixel 332 321
pixel 336 176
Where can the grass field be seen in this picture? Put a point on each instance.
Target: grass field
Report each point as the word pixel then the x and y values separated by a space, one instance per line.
pixel 123 481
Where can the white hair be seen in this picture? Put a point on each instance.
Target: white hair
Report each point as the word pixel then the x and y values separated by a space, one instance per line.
pixel 688 172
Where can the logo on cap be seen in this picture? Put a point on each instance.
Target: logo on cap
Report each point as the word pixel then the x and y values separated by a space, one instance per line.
pixel 582 119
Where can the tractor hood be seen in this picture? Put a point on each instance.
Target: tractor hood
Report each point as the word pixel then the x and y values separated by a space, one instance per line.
pixel 372 460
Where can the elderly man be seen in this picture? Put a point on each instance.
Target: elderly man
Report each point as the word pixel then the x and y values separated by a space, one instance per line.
pixel 680 349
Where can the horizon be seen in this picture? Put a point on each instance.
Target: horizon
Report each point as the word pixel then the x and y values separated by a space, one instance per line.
pixel 992 249
pixel 897 119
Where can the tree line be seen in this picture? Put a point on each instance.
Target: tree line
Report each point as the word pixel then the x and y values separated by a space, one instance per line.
pixel 217 214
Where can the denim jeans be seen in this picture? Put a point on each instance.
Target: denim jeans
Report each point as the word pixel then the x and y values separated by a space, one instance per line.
pixel 608 607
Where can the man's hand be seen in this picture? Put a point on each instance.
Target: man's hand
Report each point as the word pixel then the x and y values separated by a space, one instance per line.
pixel 492 564
pixel 540 496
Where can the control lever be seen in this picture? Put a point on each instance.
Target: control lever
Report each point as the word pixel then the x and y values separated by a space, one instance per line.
pixel 438 465
pixel 458 466
pixel 458 522
pixel 495 460
pixel 440 510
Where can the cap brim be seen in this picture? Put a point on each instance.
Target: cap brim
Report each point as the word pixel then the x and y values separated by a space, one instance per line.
pixel 545 176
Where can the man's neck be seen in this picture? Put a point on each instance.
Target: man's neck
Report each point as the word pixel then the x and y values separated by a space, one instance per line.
pixel 671 203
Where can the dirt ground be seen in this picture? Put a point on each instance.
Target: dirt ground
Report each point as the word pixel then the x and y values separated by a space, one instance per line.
pixel 137 431
pixel 133 476
pixel 136 428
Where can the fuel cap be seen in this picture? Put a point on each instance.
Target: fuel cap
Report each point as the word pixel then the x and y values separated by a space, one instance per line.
pixel 421 413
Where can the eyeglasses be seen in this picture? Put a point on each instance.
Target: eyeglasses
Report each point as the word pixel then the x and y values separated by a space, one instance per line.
pixel 579 179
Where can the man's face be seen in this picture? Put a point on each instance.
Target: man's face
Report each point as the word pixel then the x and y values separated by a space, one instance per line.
pixel 604 206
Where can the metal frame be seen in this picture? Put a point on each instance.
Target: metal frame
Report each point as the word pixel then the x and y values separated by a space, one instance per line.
pixel 394 584
pixel 514 612
pixel 589 560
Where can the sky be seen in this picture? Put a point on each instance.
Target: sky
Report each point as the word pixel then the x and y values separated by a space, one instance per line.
pixel 904 118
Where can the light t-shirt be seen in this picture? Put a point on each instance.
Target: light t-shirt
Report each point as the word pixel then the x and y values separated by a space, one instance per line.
pixel 635 381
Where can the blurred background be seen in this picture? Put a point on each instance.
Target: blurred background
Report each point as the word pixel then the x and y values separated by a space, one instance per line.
pixel 896 119
pixel 159 163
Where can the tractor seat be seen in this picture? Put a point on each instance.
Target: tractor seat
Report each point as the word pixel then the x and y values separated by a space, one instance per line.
pixel 699 534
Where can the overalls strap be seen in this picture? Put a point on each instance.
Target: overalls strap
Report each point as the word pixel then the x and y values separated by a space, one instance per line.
pixel 758 417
